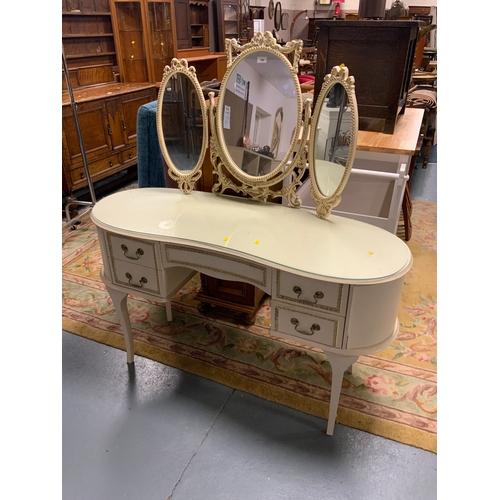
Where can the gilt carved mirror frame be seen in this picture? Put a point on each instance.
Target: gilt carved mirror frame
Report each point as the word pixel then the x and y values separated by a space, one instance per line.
pixel 194 111
pixel 285 177
pixel 326 201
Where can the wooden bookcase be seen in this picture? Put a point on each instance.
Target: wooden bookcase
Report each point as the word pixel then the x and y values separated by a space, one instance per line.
pixel 88 42
pixel 191 19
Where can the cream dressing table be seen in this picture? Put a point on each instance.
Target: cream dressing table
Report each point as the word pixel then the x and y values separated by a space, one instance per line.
pixel 335 283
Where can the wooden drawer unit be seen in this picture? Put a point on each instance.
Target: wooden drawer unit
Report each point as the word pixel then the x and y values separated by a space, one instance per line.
pixel 129 154
pixel 306 324
pixel 135 264
pixel 327 296
pixel 109 164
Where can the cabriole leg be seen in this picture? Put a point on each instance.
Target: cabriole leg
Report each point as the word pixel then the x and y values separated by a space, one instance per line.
pixel 339 365
pixel 119 299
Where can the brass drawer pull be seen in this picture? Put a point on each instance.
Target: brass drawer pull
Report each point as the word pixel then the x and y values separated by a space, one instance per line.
pixel 317 296
pixel 138 253
pixel 314 328
pixel 142 281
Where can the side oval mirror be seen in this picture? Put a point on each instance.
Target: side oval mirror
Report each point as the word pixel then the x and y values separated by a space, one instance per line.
pixel 333 138
pixel 182 124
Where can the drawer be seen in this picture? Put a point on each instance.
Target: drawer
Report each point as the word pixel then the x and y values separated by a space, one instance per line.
pixel 132 250
pixel 218 265
pixel 307 325
pixel 78 174
pixel 136 277
pixel 129 155
pixel 321 295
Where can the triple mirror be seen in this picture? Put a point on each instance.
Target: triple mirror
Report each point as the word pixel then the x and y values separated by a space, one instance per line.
pixel 263 138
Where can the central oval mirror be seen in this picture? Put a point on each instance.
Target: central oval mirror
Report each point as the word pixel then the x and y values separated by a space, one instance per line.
pixel 182 124
pixel 259 113
pixel 334 128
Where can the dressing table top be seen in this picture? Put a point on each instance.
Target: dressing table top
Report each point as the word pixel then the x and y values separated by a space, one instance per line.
pixel 296 240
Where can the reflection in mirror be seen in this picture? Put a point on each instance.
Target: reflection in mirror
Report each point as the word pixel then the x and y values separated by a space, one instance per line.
pixel 332 140
pixel 284 21
pixel 259 105
pixel 334 128
pixel 182 124
pixel 277 16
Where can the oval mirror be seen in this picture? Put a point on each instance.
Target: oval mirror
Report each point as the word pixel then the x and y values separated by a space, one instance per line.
pixel 333 137
pixel 277 16
pixel 259 110
pixel 182 124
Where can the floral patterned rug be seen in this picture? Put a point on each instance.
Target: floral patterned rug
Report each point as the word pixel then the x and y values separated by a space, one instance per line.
pixel 392 393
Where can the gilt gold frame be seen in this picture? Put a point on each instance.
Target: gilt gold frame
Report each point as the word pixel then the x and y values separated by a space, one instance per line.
pixel 185 180
pixel 284 180
pixel 338 75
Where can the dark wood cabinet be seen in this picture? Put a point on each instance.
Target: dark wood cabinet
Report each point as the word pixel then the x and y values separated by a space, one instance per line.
pixel 237 296
pixel 379 54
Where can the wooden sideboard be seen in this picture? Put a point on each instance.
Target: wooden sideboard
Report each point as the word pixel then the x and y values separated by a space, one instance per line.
pixel 108 121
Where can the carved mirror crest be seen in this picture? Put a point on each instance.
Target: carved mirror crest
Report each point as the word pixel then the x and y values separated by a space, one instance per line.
pixel 182 124
pixel 333 138
pixel 256 124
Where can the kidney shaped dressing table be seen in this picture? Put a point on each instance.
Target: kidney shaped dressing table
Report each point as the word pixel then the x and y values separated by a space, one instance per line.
pixel 335 283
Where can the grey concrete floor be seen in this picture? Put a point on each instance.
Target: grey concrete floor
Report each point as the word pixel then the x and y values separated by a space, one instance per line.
pixel 162 434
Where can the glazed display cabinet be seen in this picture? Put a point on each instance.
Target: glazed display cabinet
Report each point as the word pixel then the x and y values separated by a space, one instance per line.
pixel 145 38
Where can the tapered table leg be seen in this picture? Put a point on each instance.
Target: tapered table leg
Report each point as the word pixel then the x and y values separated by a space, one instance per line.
pixel 339 365
pixel 119 299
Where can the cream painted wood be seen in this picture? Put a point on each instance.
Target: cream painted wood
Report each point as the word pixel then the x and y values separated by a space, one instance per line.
pixel 334 283
pixel 329 297
pixel 306 324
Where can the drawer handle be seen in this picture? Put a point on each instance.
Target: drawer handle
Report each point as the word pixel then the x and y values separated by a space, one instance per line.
pixel 314 328
pixel 142 281
pixel 138 253
pixel 317 296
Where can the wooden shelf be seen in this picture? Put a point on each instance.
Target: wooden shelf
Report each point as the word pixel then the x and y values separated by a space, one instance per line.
pixel 92 35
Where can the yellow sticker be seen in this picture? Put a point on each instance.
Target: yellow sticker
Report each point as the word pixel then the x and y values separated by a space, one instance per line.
pixel 226 239
pixel 257 242
pixel 370 253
